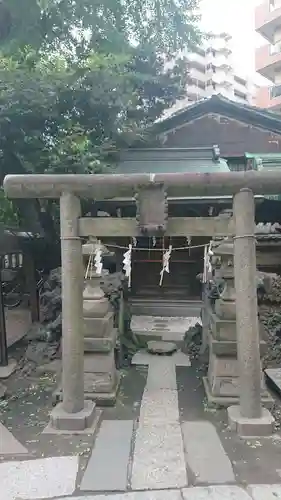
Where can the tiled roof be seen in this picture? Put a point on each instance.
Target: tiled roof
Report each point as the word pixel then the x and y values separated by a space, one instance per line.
pixel 262 118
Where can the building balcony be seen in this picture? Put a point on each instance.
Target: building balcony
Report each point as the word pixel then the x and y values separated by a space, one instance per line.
pixel 196 75
pixel 195 90
pixel 196 60
pixel 268 19
pixel 268 61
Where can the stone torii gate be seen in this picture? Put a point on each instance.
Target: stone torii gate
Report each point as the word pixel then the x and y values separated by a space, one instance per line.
pixel 248 418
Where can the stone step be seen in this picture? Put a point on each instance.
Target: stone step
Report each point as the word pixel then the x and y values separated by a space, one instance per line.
pixel 165 308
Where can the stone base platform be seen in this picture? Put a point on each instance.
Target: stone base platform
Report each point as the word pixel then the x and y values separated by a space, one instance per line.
pixel 7 371
pixel 250 427
pixel 167 329
pixel 84 421
pixel 226 401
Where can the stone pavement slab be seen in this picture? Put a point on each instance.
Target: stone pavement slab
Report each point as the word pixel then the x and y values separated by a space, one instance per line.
pixel 205 454
pixel 162 374
pixel 216 493
pixel 9 445
pixel 159 406
pixel 140 495
pixel 265 491
pixel 158 460
pixel 108 465
pixel 41 478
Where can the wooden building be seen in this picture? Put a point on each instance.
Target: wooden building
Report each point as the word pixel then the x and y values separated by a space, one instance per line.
pixel 178 143
pixel 235 127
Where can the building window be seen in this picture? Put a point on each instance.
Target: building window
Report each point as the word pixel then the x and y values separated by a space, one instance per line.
pixel 240 95
pixel 212 51
pixel 211 67
pixel 239 80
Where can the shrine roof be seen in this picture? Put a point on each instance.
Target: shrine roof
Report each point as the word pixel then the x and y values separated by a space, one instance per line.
pixel 170 160
pixel 258 117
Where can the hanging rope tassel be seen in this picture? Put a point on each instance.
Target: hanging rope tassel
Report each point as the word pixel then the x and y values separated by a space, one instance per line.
pixel 166 264
pixel 127 264
pixel 98 260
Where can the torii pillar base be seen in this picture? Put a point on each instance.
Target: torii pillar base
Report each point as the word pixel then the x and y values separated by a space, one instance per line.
pixel 84 421
pixel 250 427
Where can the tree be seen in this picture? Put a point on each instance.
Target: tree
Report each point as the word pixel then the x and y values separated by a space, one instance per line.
pixel 79 78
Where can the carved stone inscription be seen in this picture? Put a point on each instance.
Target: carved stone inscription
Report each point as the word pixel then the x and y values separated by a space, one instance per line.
pixel 152 210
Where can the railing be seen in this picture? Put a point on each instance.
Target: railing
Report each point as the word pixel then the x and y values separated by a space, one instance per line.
pixel 275 91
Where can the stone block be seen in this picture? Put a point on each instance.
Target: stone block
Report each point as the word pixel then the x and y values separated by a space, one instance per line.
pixel 229 348
pixel 99 387
pixel 250 427
pixel 225 309
pixel 99 382
pixel 103 344
pixel 223 375
pixel 63 421
pixel 102 388
pixel 222 329
pixel 98 327
pixel 96 305
pixel 99 363
pixel 226 401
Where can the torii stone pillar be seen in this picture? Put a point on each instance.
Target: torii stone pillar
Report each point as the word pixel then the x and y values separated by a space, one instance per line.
pixel 249 418
pixel 73 414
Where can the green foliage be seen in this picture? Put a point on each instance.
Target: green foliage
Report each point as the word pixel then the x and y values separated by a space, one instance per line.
pixel 80 78
pixel 8 214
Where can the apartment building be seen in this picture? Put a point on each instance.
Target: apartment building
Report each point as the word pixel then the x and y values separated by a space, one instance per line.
pixel 211 72
pixel 268 57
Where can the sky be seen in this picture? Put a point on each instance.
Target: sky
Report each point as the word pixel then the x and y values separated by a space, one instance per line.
pixel 235 17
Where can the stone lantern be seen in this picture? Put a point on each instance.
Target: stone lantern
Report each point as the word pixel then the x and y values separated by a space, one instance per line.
pixel 222 382
pixel 100 336
pixel 225 306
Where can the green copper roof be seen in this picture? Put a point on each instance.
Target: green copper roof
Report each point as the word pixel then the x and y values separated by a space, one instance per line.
pixel 169 160
pixel 268 161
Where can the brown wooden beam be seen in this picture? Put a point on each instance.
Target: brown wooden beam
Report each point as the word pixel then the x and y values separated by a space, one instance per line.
pixel 110 186
pixel 179 226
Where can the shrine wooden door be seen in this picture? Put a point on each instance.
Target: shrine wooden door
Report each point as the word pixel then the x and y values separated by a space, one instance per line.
pixel 184 266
